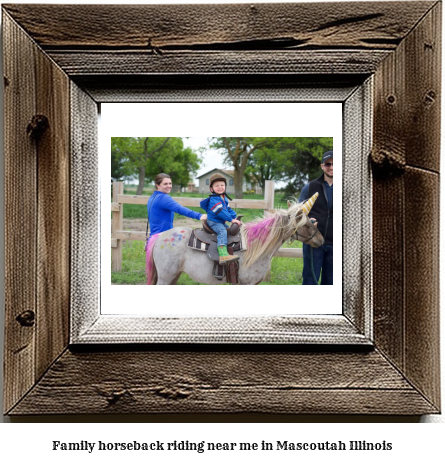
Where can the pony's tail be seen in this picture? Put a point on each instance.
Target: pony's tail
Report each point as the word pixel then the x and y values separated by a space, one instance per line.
pixel 150 266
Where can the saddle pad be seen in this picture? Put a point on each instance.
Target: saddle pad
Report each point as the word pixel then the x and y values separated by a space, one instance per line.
pixel 196 244
pixel 208 238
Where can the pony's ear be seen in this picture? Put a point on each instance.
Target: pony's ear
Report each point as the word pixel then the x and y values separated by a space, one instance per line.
pixel 288 204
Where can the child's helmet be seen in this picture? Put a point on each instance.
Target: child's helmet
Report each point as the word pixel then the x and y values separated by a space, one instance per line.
pixel 217 177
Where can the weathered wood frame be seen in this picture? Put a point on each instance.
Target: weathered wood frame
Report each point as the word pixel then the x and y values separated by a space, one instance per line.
pixel 75 57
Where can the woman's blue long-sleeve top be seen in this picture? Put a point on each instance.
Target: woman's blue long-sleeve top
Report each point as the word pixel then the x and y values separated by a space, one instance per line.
pixel 161 210
pixel 217 209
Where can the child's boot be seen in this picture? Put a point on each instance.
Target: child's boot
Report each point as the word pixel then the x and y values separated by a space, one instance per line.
pixel 224 256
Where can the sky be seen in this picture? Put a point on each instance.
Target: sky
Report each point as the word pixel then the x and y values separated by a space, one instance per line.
pixel 212 158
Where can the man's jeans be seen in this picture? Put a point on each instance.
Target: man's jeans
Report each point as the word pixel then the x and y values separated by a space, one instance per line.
pixel 322 258
pixel 220 230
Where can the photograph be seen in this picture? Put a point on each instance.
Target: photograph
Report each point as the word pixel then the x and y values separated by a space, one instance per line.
pixel 191 187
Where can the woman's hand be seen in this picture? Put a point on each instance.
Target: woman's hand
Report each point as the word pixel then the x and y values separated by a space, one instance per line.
pixel 203 217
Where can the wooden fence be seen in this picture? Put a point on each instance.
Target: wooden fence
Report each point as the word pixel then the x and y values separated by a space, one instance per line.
pixel 118 235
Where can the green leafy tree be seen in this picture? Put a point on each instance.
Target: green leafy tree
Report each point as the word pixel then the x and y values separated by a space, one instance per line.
pixel 237 151
pixel 117 164
pixel 145 157
pixel 176 160
pixel 271 161
pixel 305 162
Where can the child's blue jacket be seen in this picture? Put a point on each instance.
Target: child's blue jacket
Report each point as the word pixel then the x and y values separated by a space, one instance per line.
pixel 217 209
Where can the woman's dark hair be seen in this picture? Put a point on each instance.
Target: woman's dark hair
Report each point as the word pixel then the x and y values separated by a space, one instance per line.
pixel 160 177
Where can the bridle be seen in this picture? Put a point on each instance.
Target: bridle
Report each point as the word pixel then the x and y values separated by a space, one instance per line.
pixel 308 238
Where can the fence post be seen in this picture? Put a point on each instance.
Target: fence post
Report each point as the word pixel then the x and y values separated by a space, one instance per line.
pixel 269 194
pixel 117 224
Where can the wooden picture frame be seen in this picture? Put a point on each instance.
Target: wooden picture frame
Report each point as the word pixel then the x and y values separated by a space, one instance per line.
pixel 57 70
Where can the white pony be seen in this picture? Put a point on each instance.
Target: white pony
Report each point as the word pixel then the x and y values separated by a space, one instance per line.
pixel 170 255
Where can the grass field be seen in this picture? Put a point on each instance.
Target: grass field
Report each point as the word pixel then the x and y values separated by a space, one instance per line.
pixel 285 271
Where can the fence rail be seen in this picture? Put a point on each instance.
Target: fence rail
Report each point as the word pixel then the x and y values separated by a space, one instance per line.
pixel 118 234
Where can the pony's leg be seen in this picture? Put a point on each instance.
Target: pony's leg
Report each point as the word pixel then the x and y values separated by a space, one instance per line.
pixel 162 281
pixel 169 280
pixel 175 280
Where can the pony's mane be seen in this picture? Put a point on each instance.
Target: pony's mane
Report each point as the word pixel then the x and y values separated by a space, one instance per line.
pixel 261 235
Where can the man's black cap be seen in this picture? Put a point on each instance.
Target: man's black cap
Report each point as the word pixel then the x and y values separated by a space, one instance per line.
pixel 327 155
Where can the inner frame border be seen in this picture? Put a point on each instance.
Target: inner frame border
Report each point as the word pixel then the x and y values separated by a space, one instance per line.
pixel 354 326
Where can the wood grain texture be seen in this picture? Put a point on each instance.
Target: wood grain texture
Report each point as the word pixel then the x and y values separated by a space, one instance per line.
pixel 20 213
pixel 423 91
pixel 197 331
pixel 407 136
pixel 356 216
pixel 119 63
pixel 422 281
pixel 85 210
pixel 40 174
pixel 388 277
pixel 407 113
pixel 53 206
pixel 219 88
pixel 223 382
pixel 370 25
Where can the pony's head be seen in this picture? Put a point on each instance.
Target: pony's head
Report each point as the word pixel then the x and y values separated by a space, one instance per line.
pixel 306 231
pixel 263 235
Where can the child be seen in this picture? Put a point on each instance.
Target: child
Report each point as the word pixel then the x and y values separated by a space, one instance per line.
pixel 218 212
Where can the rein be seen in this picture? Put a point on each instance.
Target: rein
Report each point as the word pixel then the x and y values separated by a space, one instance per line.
pixel 308 238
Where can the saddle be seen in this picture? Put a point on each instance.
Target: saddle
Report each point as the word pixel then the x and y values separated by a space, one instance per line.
pixel 204 240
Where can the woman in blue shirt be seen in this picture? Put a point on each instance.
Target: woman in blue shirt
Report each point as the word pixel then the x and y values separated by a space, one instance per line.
pixel 161 207
pixel 161 210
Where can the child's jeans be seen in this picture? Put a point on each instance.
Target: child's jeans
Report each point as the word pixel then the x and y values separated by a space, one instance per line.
pixel 221 232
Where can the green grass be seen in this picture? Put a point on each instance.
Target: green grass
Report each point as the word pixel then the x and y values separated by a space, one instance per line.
pixel 285 271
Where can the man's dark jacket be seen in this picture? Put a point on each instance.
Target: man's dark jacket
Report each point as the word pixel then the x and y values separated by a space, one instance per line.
pixel 320 210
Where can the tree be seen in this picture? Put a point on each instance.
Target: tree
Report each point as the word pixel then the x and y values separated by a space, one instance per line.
pixel 117 164
pixel 179 162
pixel 271 161
pixel 237 151
pixel 305 162
pixel 145 157
pixel 135 152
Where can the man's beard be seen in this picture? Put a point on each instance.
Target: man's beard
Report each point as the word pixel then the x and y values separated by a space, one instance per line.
pixel 329 175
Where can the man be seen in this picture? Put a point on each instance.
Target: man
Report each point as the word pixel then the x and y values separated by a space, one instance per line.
pixel 320 259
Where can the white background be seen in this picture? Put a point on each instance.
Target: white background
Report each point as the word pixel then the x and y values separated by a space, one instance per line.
pixel 219 119
pixel 413 443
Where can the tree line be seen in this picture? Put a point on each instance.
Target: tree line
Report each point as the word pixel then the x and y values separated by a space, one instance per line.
pixel 295 160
